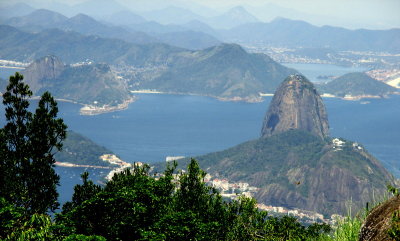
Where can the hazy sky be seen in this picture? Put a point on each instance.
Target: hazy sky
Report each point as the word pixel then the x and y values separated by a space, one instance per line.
pixel 360 13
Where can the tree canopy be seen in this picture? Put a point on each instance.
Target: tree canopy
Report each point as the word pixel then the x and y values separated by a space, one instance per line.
pixel 28 142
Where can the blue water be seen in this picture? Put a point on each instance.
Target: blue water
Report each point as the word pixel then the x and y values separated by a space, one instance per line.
pixel 70 176
pixel 312 71
pixel 156 126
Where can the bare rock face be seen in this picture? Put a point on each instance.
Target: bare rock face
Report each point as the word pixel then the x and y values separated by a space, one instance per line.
pixel 296 105
pixel 46 68
pixel 379 221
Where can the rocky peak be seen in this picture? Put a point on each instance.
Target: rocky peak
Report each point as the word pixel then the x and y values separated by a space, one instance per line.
pixel 46 68
pixel 296 105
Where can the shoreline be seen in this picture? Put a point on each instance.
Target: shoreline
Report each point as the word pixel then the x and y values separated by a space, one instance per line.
pixel 359 97
pixel 119 165
pixel 248 99
pixel 260 98
pixel 68 164
pixel 96 110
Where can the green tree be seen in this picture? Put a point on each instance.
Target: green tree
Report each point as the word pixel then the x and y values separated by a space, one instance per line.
pixel 135 205
pixel 82 193
pixel 124 209
pixel 28 143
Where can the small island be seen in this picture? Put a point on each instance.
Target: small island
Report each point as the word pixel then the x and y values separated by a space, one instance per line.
pixel 355 86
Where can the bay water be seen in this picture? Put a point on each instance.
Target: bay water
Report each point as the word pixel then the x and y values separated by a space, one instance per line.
pixel 156 126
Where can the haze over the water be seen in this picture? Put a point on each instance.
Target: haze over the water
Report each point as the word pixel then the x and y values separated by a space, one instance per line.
pixel 353 14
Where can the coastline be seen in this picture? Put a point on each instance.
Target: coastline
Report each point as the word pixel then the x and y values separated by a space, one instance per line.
pixel 119 165
pixel 259 98
pixel 248 99
pixel 68 164
pixel 97 110
pixel 359 97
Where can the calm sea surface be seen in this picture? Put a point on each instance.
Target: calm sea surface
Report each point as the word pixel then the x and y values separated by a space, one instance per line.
pixel 312 71
pixel 156 126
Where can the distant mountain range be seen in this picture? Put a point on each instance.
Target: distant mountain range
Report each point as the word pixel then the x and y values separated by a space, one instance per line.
pixel 175 15
pixel 15 10
pixel 236 25
pixel 73 47
pixel 292 33
pixel 225 71
pixel 234 17
pixel 43 19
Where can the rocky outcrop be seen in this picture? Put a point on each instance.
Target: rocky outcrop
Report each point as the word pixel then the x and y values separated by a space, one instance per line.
pixel 46 68
pixel 380 220
pixel 296 105
pixel 295 164
pixel 86 83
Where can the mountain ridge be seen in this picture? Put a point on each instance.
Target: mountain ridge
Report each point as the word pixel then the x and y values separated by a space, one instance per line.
pixel 225 71
pixel 296 33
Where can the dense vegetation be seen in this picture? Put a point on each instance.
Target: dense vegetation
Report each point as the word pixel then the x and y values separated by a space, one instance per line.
pixel 277 165
pixel 136 206
pixel 27 144
pixel 78 149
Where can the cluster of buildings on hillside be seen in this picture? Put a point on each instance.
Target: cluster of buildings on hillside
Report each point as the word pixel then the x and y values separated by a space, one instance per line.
pixel 122 165
pixel 384 74
pixel 234 190
pixel 367 59
pixel 230 190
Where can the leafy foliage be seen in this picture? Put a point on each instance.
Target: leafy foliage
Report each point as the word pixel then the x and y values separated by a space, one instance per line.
pixel 134 205
pixel 394 230
pixel 348 229
pixel 78 149
pixel 28 141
